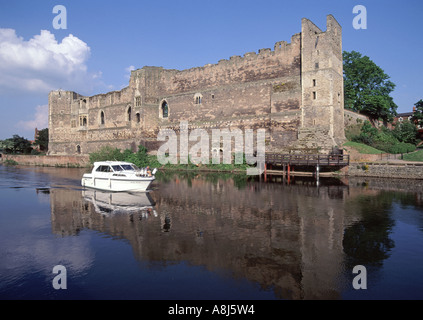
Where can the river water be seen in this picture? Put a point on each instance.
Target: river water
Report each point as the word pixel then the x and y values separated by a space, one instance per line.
pixel 210 236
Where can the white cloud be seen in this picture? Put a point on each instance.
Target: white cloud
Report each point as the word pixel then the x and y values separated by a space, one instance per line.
pixel 42 63
pixel 129 69
pixel 128 72
pixel 40 119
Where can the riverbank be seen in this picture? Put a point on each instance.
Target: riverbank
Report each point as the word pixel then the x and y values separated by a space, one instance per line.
pixel 395 169
pixel 47 161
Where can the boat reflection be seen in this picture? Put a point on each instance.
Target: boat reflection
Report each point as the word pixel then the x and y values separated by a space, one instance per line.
pixel 120 202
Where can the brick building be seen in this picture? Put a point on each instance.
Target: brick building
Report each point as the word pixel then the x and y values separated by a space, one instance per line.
pixel 294 91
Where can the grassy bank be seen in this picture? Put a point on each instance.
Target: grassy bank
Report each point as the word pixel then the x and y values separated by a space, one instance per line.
pixel 363 148
pixel 415 156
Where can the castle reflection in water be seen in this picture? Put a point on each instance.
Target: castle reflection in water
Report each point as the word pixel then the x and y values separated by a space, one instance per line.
pixel 299 240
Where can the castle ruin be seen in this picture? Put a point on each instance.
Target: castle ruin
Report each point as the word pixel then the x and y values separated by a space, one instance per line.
pixel 294 92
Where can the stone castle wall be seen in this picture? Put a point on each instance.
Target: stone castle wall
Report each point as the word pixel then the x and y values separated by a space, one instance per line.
pixel 280 90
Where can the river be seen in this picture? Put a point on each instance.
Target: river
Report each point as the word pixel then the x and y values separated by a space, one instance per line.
pixel 210 236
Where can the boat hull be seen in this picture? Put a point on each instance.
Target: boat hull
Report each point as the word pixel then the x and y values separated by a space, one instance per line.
pixel 117 184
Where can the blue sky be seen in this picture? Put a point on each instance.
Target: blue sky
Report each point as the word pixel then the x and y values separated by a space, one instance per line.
pixel 105 39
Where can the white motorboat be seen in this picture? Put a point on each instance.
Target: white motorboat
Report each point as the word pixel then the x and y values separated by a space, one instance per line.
pixel 118 176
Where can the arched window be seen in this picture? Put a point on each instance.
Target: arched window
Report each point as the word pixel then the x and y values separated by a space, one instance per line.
pixel 165 109
pixel 138 116
pixel 198 98
pixel 129 114
pixel 102 118
pixel 78 149
pixel 138 101
pixel 84 121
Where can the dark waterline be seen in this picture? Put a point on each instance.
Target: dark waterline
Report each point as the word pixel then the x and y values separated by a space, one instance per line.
pixel 209 237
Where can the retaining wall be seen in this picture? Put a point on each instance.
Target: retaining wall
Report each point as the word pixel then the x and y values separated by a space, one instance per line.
pixel 386 170
pixel 48 161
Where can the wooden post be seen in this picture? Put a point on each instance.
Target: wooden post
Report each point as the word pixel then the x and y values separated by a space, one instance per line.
pixel 289 173
pixel 265 172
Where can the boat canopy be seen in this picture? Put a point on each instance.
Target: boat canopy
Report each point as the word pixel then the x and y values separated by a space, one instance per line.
pixel 114 166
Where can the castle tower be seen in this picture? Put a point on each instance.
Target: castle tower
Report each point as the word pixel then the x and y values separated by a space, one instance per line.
pixel 322 110
pixel 61 121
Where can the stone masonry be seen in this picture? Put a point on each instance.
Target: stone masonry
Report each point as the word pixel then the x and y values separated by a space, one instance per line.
pixel 294 92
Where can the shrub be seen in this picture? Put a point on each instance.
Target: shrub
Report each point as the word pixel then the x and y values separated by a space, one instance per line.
pixel 366 134
pixel 351 132
pixel 406 132
pixel 140 158
pixel 10 162
pixel 35 152
pixel 401 147
pixel 106 153
pixel 390 141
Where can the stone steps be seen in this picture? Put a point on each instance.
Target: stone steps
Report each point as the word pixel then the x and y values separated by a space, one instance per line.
pixel 314 140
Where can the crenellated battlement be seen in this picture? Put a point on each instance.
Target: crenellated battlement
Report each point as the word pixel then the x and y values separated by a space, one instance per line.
pixel 279 48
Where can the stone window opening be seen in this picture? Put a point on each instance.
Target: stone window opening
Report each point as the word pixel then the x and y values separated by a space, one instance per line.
pixel 83 104
pixel 198 98
pixel 164 110
pixel 78 149
pixel 138 117
pixel 138 101
pixel 314 95
pixel 102 121
pixel 129 114
pixel 316 65
pixel 83 121
pixel 314 82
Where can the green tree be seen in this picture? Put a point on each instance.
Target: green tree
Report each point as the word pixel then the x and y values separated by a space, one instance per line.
pixel 405 132
pixel 418 114
pixel 42 139
pixel 21 145
pixel 367 87
pixel 6 145
pixel 16 144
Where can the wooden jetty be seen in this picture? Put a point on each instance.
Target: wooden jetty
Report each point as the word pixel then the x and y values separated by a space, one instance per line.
pixel 321 160
pixel 317 161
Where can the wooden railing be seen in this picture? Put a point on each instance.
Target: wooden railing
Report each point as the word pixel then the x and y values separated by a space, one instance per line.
pixel 308 159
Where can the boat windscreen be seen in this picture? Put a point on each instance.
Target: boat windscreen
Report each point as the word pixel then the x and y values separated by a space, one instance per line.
pixel 127 167
pixel 117 168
